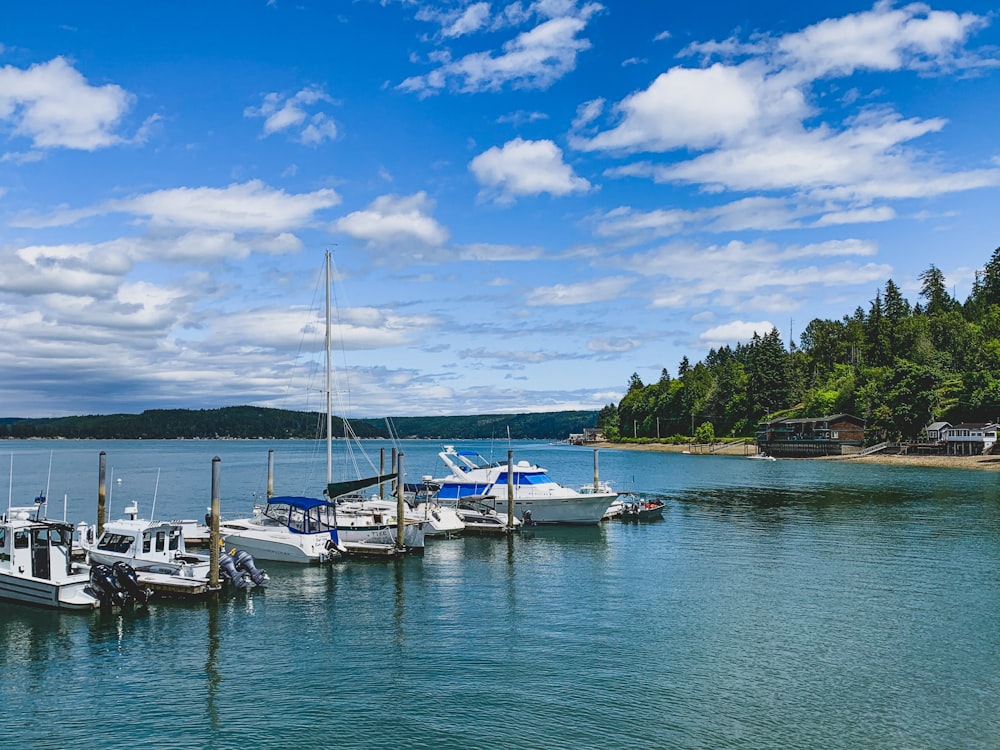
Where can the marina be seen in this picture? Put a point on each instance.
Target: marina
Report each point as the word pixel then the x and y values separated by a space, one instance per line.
pixel 790 604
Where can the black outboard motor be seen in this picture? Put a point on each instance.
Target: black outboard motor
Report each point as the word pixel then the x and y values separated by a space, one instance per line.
pixel 128 582
pixel 105 585
pixel 526 518
pixel 244 561
pixel 228 569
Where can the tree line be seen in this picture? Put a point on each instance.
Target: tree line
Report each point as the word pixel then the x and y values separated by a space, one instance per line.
pixel 896 365
pixel 250 422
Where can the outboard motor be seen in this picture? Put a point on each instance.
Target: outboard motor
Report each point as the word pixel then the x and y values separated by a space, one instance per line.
pixel 228 569
pixel 527 520
pixel 105 586
pixel 128 582
pixel 244 561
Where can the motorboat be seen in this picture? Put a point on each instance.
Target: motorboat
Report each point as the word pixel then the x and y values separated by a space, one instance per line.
pixel 762 456
pixel 538 499
pixel 436 520
pixel 440 520
pixel 36 561
pixel 635 508
pixel 286 529
pixel 159 547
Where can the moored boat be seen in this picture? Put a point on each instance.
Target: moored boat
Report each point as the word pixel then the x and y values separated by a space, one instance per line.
pixel 538 499
pixel 36 561
pixel 159 548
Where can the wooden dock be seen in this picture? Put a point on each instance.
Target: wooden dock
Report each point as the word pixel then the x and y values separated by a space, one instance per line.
pixel 176 587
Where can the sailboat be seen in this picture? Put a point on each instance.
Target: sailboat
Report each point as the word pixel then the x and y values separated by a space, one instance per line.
pixel 309 529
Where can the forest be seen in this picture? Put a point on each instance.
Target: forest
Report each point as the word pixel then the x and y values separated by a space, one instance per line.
pixel 896 365
pixel 247 422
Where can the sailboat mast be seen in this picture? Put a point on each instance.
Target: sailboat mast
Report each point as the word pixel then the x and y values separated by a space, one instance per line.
pixel 329 379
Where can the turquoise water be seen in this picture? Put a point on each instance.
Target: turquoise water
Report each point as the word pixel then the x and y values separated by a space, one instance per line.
pixel 804 604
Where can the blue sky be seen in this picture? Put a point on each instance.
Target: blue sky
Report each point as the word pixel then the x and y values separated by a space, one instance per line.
pixel 526 202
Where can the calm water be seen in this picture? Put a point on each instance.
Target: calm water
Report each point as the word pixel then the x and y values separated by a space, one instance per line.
pixel 778 605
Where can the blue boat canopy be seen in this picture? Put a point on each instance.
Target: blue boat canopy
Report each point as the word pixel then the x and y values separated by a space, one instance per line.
pixel 303 503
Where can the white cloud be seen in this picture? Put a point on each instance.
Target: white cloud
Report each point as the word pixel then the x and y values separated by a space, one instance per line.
pixel 394 219
pixel 243 207
pixel 522 167
pixel 291 113
pixel 757 123
pixel 53 105
pixel 600 290
pixel 737 331
pixel 472 18
pixel 534 59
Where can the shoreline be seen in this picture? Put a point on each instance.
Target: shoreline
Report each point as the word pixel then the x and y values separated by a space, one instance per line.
pixel 982 463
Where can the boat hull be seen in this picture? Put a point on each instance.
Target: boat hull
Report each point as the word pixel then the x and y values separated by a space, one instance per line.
pixel 264 544
pixel 67 595
pixel 576 510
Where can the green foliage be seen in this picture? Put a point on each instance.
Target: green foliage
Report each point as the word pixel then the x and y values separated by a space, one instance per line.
pixel 245 422
pixel 897 366
pixel 705 433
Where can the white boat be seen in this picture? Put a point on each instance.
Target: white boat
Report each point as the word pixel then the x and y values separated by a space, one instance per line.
pixel 286 529
pixel 435 520
pixel 440 520
pixel 36 562
pixel 159 547
pixel 761 457
pixel 538 499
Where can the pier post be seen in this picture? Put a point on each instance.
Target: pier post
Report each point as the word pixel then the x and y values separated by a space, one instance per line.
pixel 400 504
pixel 510 488
pixel 213 537
pixel 102 492
pixel 381 472
pixel 597 476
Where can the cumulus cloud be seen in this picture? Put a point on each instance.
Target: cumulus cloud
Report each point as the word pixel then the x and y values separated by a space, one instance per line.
pixel 54 106
pixel 753 119
pixel 737 331
pixel 395 219
pixel 291 113
pixel 534 59
pixel 522 167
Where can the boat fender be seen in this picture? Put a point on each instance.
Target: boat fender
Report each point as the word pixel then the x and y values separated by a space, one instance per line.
pixel 128 582
pixel 244 562
pixel 228 569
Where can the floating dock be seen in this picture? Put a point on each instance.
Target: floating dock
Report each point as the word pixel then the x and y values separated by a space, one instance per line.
pixel 176 587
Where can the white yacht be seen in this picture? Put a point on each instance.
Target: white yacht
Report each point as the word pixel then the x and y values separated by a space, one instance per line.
pixel 287 529
pixel 36 564
pixel 538 499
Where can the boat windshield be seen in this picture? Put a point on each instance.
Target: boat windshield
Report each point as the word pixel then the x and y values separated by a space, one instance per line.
pixel 522 478
pixel 318 519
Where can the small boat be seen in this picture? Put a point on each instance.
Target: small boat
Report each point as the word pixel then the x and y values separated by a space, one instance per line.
pixel 159 548
pixel 538 499
pixel 640 509
pixel 36 561
pixel 762 456
pixel 287 529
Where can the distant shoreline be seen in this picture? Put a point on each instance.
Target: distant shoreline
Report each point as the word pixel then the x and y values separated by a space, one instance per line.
pixel 987 463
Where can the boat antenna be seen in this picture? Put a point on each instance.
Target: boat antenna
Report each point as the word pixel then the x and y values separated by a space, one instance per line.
pixel 156 489
pixel 10 490
pixel 48 479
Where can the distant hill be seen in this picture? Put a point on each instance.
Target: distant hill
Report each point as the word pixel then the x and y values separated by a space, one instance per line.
pixel 256 422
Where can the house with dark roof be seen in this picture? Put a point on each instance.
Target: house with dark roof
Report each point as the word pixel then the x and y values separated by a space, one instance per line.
pixel 970 438
pixel 832 435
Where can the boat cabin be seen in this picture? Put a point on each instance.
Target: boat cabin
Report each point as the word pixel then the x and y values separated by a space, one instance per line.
pixel 31 546
pixel 302 515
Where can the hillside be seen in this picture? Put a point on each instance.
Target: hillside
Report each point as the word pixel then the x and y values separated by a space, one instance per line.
pixel 254 422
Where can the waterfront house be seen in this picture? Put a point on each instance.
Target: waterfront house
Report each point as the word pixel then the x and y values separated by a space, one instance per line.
pixel 935 432
pixel 970 438
pixel 832 435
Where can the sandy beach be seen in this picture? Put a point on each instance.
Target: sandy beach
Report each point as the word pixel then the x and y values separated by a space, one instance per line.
pixel 988 463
